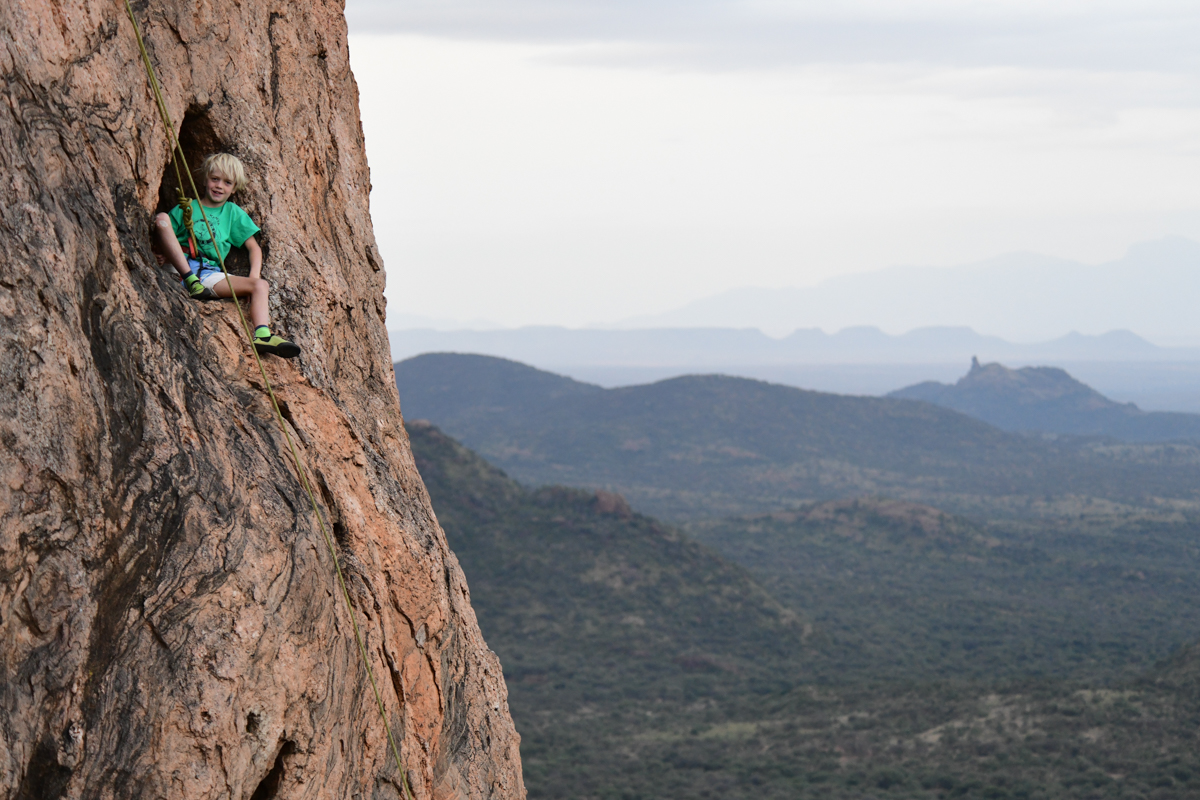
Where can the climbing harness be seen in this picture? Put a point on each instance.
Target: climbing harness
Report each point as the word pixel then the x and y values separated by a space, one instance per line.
pixel 185 204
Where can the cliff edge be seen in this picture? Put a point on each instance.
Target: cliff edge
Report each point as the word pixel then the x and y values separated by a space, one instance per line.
pixel 170 622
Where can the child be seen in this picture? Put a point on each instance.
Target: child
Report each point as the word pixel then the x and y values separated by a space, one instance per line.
pixel 223 175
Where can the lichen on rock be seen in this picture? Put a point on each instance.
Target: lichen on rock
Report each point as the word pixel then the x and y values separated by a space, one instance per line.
pixel 171 626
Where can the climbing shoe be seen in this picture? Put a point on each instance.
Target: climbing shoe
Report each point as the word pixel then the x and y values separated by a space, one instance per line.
pixel 276 345
pixel 197 290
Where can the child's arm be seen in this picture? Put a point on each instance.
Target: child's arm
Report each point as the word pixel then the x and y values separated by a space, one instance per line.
pixel 255 252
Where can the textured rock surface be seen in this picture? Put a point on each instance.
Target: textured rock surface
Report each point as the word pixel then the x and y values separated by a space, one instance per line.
pixel 169 619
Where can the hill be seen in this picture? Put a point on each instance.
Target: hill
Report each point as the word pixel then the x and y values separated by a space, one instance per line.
pixel 711 445
pixel 498 386
pixel 1049 400
pixel 857 360
pixel 589 587
pixel 607 623
pixel 642 665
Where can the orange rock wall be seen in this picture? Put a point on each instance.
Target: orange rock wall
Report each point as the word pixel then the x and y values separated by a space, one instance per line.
pixel 170 622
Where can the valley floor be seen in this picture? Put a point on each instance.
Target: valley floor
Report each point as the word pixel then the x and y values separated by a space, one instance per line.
pixel 867 648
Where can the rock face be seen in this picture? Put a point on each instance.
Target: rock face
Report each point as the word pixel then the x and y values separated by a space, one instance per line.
pixel 171 626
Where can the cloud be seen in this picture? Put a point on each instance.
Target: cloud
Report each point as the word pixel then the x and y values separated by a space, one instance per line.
pixel 1151 35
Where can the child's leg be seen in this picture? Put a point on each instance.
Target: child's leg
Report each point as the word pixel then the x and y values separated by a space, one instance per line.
pixel 164 234
pixel 257 288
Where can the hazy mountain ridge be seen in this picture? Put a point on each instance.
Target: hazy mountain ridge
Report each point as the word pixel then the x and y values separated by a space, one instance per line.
pixel 714 347
pixel 497 385
pixel 852 361
pixel 715 445
pixel 1019 296
pixel 1048 399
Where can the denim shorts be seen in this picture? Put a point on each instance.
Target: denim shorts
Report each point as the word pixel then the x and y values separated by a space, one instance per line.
pixel 209 275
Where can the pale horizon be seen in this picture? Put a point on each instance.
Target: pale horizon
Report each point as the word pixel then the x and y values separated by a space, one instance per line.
pixel 552 164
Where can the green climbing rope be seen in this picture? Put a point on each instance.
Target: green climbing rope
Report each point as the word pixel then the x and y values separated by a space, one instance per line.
pixel 180 161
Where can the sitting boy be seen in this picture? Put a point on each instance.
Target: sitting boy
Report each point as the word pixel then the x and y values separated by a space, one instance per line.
pixel 223 175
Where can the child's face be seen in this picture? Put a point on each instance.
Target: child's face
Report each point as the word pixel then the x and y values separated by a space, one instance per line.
pixel 219 187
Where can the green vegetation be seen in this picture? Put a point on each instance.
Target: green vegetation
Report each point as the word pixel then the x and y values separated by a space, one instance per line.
pixel 911 593
pixel 600 603
pixel 870 649
pixel 940 741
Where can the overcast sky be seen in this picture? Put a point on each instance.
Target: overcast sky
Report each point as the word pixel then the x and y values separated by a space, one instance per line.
pixel 548 162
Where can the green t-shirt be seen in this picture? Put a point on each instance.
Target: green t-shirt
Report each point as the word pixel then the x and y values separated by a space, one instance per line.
pixel 230 223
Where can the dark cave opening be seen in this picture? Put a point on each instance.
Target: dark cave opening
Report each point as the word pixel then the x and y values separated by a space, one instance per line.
pixel 269 786
pixel 199 139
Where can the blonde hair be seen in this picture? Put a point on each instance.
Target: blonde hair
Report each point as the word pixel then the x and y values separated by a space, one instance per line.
pixel 229 166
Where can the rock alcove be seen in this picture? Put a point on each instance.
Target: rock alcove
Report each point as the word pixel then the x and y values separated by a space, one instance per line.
pixel 198 139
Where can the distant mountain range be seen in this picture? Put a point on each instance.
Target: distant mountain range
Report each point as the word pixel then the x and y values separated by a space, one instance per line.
pixel 718 348
pixel 852 361
pixel 1023 296
pixel 712 444
pixel 1032 309
pixel 1049 400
